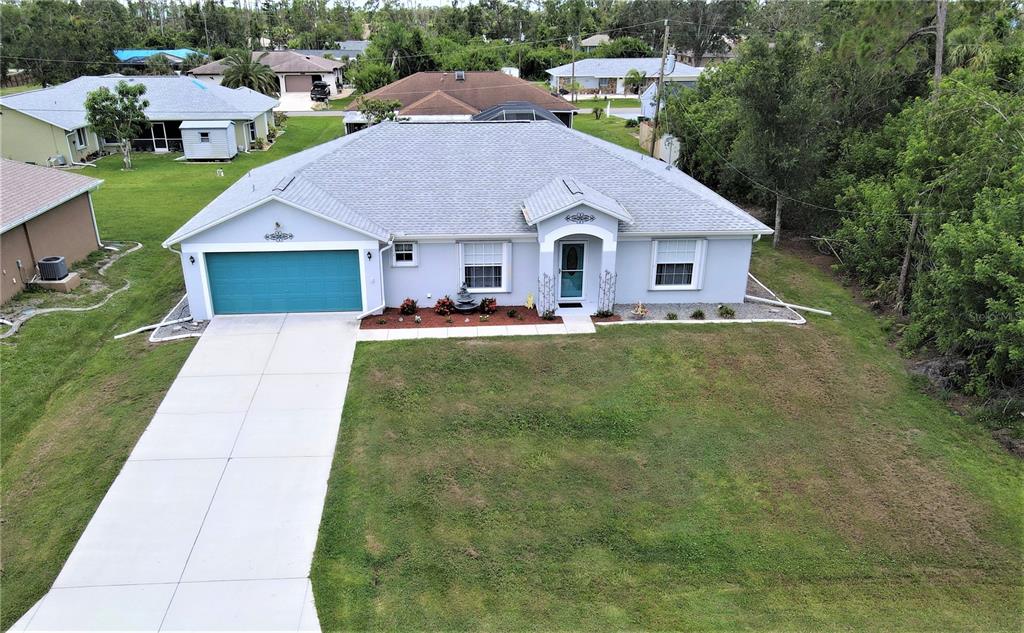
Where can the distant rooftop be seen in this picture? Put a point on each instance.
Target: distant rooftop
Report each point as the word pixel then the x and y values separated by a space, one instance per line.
pixel 290 61
pixel 170 98
pixel 443 93
pixel 140 55
pixel 29 190
pixel 620 67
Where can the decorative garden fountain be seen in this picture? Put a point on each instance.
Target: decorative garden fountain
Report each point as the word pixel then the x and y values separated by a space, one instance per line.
pixel 464 302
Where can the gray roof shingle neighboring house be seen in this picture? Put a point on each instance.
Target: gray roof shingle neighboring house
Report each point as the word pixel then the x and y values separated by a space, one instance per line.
pixel 29 190
pixel 474 179
pixel 620 67
pixel 170 98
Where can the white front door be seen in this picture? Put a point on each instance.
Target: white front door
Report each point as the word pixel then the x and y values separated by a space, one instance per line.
pixel 570 270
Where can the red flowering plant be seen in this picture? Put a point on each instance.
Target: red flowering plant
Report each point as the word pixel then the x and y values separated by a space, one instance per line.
pixel 408 306
pixel 444 306
pixel 488 305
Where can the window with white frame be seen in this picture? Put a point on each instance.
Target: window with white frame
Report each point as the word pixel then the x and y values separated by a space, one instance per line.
pixel 405 253
pixel 204 137
pixel 485 266
pixel 251 125
pixel 80 138
pixel 676 264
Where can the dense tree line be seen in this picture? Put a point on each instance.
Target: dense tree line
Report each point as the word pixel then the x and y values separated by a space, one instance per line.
pixel 830 116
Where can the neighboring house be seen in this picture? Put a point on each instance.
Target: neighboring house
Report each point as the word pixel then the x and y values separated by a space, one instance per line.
pixel 137 57
pixel 295 70
pixel 590 44
pixel 417 209
pixel 49 126
pixel 599 75
pixel 459 96
pixel 649 97
pixel 44 212
pixel 351 49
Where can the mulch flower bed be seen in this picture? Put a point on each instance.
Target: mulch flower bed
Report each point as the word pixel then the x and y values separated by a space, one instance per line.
pixel 607 319
pixel 430 319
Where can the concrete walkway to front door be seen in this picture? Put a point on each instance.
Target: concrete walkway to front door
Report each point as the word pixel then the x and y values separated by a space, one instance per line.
pixel 212 522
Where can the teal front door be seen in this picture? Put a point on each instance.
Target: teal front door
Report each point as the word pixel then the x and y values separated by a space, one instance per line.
pixel 571 270
pixel 294 281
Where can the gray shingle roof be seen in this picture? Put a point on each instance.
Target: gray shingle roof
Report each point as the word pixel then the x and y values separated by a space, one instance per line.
pixel 30 190
pixel 279 61
pixel 170 99
pixel 473 179
pixel 565 192
pixel 620 67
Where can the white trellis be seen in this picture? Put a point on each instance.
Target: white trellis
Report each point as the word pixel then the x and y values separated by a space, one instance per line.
pixel 606 292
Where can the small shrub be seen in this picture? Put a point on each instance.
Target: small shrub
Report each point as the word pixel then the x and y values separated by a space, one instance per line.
pixel 280 118
pixel 697 314
pixel 485 318
pixel 408 306
pixel 639 310
pixel 549 315
pixel 598 112
pixel 488 305
pixel 604 314
pixel 726 312
pixel 259 143
pixel 632 123
pixel 512 313
pixel 444 306
pixel 671 316
pixel 418 319
pixel 381 321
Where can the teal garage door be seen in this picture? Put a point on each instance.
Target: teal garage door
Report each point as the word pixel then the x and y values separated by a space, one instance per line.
pixel 297 281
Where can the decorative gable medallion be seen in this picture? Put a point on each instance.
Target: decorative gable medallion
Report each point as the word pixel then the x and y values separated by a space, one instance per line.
pixel 580 218
pixel 278 235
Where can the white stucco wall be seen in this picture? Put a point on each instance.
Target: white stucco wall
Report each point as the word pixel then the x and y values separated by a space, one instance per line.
pixel 725 266
pixel 437 273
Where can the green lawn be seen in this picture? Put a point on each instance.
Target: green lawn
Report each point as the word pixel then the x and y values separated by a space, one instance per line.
pixel 746 477
pixel 600 103
pixel 74 401
pixel 342 104
pixel 609 128
pixel 16 89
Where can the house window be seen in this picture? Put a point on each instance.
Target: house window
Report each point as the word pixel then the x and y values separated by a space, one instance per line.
pixel 485 266
pixel 676 264
pixel 405 254
pixel 80 138
pixel 204 137
pixel 604 82
pixel 251 125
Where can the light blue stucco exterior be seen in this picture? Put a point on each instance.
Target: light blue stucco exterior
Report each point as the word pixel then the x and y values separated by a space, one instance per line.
pixel 721 269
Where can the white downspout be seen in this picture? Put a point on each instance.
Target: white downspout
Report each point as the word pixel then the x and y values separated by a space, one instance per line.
pixel 71 153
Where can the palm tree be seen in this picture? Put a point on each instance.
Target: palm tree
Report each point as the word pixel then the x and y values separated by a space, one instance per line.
pixel 635 80
pixel 244 69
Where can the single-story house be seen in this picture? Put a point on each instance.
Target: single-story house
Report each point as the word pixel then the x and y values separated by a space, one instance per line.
pixel 598 75
pixel 44 212
pixel 590 44
pixel 295 71
pixel 459 96
pixel 139 56
pixel 48 126
pixel 509 209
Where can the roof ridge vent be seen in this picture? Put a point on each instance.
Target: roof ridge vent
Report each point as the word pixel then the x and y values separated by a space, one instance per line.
pixel 283 183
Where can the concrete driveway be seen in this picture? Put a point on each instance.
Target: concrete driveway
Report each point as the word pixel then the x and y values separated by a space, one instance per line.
pixel 212 522
pixel 294 102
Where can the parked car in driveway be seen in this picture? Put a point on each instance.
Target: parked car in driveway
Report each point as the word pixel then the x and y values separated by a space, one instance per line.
pixel 320 92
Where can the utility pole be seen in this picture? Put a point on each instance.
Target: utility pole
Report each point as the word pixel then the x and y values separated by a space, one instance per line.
pixel 661 85
pixel 572 81
pixel 915 218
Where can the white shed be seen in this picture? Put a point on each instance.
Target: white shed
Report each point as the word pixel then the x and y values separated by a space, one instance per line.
pixel 209 140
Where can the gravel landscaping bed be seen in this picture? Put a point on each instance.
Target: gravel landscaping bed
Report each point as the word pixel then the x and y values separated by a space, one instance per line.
pixel 744 311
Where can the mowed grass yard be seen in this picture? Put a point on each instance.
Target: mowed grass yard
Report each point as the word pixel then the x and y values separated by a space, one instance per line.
pixel 744 477
pixel 73 401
